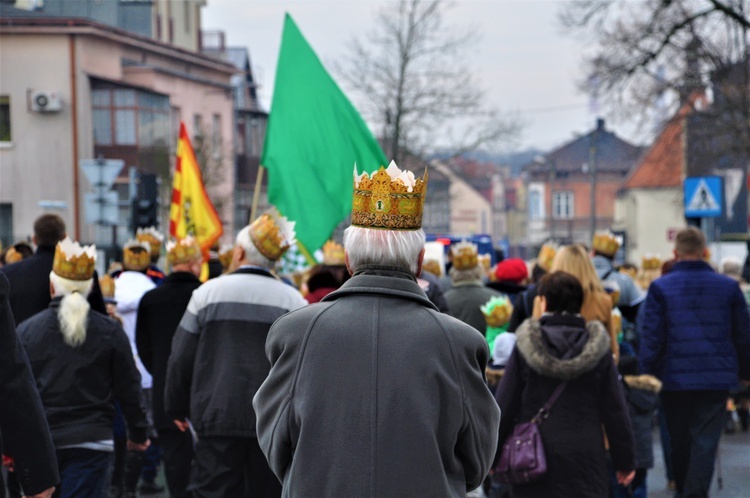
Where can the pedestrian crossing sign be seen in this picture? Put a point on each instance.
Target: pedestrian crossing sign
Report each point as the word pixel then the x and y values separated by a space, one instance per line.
pixel 703 197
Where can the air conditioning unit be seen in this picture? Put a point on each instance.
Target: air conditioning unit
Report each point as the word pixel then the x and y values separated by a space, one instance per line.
pixel 45 102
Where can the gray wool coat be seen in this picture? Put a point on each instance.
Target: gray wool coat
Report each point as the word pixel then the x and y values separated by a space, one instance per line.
pixel 373 392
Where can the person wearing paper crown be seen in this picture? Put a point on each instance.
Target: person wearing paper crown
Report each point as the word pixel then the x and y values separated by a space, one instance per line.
pixel 468 292
pixel 327 277
pixel 159 314
pixel 155 241
pixel 371 389
pixel 604 246
pixel 218 362
pixel 82 362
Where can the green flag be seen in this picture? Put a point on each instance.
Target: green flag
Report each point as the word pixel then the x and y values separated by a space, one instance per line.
pixel 314 138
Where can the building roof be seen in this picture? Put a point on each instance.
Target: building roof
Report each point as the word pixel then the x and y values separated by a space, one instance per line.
pixel 613 154
pixel 662 165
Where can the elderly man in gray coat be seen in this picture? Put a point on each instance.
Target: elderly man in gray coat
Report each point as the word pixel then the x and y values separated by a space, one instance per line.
pixel 373 392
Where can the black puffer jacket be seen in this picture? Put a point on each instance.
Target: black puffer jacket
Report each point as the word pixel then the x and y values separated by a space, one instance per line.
pixel 78 385
pixel 561 348
pixel 642 392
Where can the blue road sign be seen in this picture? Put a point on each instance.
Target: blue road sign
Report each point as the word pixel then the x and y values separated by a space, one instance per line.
pixel 704 197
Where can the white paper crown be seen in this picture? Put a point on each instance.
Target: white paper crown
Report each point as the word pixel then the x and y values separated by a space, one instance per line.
pixel 73 261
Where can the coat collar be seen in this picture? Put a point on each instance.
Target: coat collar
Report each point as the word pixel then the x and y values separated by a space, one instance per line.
pixel 531 345
pixel 180 277
pixel 383 281
pixel 692 265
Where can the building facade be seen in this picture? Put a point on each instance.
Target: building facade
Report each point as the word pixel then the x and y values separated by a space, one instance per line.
pixel 112 94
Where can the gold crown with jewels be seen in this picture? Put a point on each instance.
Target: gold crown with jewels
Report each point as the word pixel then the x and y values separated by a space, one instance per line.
pixel 606 242
pixel 650 262
pixel 73 261
pixel 546 256
pixel 272 234
pixel 388 199
pixel 153 237
pixel 333 254
pixel 465 256
pixel 497 311
pixel 183 251
pixel 136 255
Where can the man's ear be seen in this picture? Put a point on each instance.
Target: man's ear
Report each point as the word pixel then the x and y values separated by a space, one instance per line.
pixel 238 255
pixel 346 260
pixel 420 260
pixel 51 290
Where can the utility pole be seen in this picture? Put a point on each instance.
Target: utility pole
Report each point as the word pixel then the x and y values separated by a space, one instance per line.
pixel 592 165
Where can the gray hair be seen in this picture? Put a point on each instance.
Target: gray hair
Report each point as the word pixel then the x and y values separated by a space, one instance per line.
pixel 475 274
pixel 252 254
pixel 369 246
pixel 74 308
pixel 731 266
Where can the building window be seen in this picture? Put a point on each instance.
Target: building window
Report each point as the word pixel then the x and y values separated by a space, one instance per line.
pixel 536 211
pixel 126 116
pixel 197 127
pixel 216 136
pixel 6 224
pixel 562 205
pixel 5 135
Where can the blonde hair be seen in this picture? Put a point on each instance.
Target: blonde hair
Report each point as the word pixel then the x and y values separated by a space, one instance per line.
pixel 574 259
pixel 74 308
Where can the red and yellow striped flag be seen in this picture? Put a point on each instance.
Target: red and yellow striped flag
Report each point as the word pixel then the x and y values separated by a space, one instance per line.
pixel 191 212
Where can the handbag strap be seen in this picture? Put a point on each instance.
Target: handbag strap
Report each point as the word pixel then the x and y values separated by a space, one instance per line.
pixel 543 412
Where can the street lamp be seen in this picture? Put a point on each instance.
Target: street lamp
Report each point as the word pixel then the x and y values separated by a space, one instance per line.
pixel 544 160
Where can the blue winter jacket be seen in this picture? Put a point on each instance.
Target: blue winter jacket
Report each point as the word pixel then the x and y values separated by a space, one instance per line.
pixel 695 330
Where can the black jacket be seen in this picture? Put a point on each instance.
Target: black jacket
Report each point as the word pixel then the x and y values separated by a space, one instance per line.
pixel 26 436
pixel 523 308
pixel 561 348
pixel 29 285
pixel 159 315
pixel 78 385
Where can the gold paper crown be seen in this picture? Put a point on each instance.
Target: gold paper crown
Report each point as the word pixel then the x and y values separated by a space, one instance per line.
pixel 546 256
pixel 272 234
pixel 136 255
pixel 333 254
pixel 650 262
pixel 486 261
pixel 432 266
pixel 12 256
pixel 497 311
pixel 606 242
pixel 153 237
pixel 465 256
pixel 107 285
pixel 225 256
pixel 389 199
pixel 73 261
pixel 183 251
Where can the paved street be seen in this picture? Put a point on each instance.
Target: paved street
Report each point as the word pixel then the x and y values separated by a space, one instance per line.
pixel 734 467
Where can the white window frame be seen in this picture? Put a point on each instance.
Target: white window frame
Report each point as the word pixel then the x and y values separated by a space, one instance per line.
pixel 563 205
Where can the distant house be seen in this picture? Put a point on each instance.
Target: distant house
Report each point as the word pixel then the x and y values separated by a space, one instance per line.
pixel 560 204
pixel 649 207
pixel 470 212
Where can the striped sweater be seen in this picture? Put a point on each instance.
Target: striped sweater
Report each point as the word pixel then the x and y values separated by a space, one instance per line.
pixel 218 358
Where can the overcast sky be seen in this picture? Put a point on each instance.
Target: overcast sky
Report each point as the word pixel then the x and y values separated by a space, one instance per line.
pixel 522 60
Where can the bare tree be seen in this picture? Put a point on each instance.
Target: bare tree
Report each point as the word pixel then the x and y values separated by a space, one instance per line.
pixel 649 58
pixel 211 152
pixel 415 83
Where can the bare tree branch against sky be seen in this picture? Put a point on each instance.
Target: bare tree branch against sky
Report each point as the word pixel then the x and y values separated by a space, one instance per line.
pixel 522 59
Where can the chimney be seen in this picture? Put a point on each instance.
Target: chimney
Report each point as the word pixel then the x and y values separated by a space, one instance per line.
pixel 599 124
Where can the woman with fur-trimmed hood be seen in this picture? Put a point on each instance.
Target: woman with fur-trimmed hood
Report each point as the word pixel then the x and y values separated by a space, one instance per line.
pixel 561 347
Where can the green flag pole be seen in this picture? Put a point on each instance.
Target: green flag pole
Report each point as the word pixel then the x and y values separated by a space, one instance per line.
pixel 310 260
pixel 256 194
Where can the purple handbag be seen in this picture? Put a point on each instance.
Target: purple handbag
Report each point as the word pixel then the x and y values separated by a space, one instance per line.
pixel 522 459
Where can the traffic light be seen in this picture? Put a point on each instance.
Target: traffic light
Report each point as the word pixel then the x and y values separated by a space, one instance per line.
pixel 145 211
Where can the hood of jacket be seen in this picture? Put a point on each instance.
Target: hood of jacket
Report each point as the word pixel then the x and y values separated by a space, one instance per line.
pixel 562 347
pixel 645 382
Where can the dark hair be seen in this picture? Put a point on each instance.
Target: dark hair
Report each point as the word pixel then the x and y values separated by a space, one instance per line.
pixel 563 292
pixel 536 273
pixel 628 365
pixel 49 229
pixel 667 266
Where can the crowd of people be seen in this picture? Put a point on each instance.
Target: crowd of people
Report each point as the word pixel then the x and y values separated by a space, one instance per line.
pixel 376 372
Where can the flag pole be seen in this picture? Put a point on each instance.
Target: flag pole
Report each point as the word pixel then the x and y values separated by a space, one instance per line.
pixel 256 194
pixel 310 260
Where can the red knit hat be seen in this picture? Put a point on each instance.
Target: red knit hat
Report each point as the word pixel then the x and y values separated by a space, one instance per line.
pixel 513 269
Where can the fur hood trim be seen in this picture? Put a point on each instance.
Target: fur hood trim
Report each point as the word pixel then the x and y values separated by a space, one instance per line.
pixel 645 382
pixel 530 345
